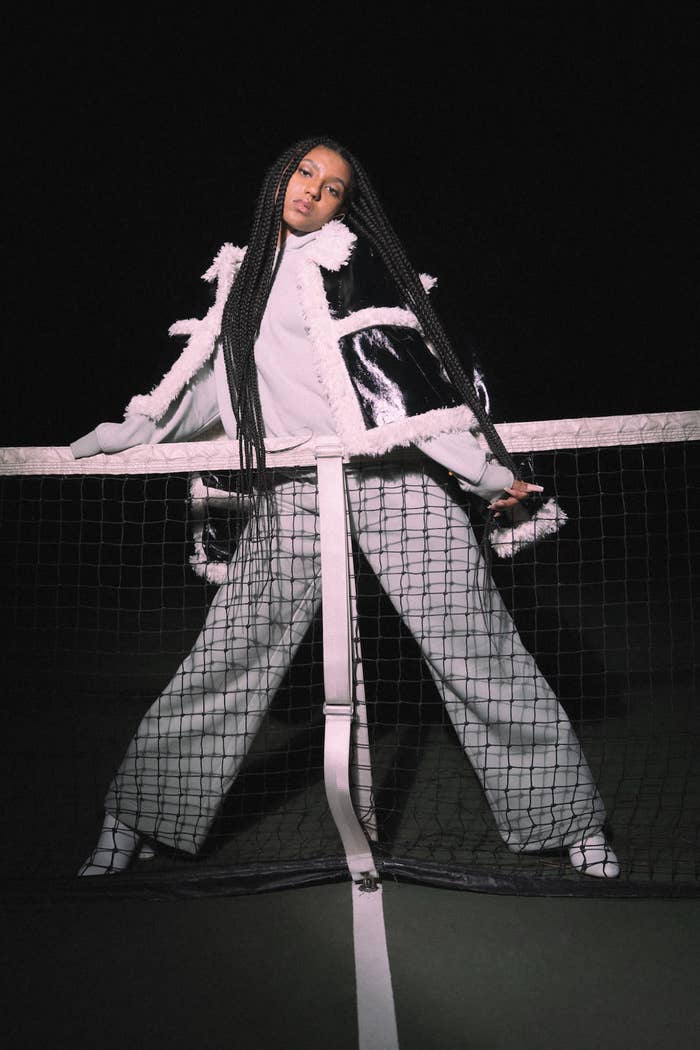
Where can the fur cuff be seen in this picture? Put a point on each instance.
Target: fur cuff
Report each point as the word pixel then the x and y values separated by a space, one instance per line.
pixel 508 539
pixel 212 512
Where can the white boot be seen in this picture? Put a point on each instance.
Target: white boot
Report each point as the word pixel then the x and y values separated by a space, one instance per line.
pixel 115 848
pixel 593 856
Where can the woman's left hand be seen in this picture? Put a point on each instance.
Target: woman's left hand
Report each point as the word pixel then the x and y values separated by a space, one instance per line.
pixel 518 491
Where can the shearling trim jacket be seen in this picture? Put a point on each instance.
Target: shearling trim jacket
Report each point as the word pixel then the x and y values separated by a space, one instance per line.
pixel 384 385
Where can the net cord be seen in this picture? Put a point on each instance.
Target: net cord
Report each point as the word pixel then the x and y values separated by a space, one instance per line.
pixel 222 454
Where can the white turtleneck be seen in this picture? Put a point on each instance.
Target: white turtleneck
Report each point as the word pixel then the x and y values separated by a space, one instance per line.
pixel 292 400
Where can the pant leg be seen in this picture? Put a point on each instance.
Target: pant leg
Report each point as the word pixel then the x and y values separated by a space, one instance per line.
pixel 191 743
pixel 517 736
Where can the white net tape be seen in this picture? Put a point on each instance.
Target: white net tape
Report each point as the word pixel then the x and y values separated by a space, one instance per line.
pixel 588 432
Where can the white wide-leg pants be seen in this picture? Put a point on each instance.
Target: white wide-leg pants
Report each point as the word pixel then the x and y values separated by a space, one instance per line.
pixel 191 743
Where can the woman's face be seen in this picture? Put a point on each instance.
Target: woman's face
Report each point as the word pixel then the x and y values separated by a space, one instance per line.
pixel 316 191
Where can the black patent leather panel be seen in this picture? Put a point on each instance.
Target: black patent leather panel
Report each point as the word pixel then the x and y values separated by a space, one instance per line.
pixel 363 282
pixel 394 374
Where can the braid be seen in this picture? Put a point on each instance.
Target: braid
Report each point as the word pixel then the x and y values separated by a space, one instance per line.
pixel 367 216
pixel 243 313
pixel 245 306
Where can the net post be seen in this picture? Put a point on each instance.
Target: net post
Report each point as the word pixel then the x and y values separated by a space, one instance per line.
pixel 338 642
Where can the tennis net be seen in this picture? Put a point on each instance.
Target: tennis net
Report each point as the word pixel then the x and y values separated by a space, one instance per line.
pixel 112 565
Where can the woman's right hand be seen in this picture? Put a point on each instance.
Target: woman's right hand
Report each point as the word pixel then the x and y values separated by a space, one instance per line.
pixel 517 492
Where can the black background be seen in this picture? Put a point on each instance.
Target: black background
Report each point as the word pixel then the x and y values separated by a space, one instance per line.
pixel 538 158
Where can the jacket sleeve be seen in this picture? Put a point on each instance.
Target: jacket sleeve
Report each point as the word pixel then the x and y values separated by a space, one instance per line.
pixel 194 411
pixel 473 467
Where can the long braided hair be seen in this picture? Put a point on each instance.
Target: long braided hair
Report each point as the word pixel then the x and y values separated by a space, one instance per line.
pixel 248 297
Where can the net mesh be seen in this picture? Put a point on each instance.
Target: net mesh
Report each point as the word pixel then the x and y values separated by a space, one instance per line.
pixel 116 573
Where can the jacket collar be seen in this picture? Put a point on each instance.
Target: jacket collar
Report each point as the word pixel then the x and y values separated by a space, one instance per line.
pixel 333 245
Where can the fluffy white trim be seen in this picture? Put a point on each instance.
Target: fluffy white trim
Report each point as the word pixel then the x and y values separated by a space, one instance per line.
pixel 371 317
pixel 200 346
pixel 404 432
pixel 333 246
pixel 225 265
pixel 508 540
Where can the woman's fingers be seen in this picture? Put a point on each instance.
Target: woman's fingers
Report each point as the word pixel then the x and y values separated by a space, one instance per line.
pixel 517 492
pixel 521 488
pixel 502 502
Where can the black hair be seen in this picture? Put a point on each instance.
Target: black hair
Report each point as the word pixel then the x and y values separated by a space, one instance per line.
pixel 247 300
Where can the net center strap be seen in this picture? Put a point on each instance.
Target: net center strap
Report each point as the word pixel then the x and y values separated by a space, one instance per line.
pixel 376 1013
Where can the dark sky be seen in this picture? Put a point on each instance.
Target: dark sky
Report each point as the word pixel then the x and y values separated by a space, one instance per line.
pixel 537 158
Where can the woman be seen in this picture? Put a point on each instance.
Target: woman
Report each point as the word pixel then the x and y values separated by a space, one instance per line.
pixel 319 327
